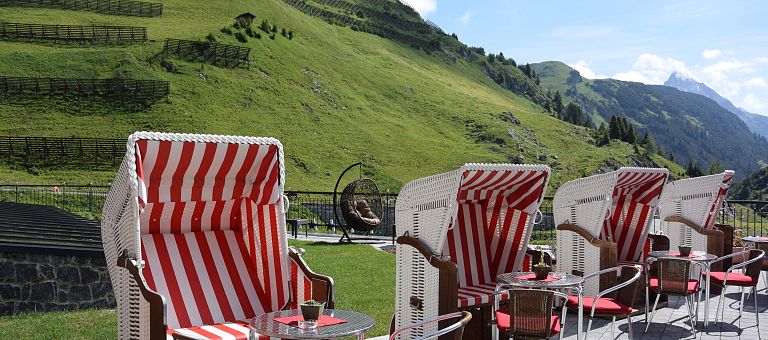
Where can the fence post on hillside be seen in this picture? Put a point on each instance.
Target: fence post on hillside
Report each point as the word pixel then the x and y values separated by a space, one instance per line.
pixel 64 195
pixel 90 197
pixel 17 192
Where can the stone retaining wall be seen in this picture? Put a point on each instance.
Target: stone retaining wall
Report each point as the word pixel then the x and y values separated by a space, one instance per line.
pixel 32 282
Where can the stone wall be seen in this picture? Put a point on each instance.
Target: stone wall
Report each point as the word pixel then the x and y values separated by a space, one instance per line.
pixel 32 282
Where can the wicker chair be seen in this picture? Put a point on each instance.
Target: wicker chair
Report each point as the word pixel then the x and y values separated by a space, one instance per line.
pixel 674 278
pixel 194 235
pixel 456 328
pixel 612 302
pixel 459 230
pixel 689 210
pixel 530 314
pixel 603 220
pixel 751 267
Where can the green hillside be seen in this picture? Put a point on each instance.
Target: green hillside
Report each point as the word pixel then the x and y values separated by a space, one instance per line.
pixel 690 126
pixel 331 94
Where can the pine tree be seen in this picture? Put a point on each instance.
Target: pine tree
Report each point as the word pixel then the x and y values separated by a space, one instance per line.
pixel 648 142
pixel 614 128
pixel 631 135
pixel 716 167
pixel 558 102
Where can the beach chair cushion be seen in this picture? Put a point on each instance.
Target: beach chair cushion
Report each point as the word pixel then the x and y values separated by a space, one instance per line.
pixel 693 285
pixel 734 279
pixel 206 277
pixel 237 330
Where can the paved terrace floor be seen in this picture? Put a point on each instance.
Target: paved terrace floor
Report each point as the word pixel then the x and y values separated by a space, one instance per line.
pixel 672 322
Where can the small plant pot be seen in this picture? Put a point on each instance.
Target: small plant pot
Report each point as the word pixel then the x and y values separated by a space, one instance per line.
pixel 311 313
pixel 684 251
pixel 541 272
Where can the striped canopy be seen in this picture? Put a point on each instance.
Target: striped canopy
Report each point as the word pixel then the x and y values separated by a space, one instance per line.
pixel 635 198
pixel 492 220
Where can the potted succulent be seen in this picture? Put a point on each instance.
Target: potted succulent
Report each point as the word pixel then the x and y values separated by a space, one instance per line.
pixel 542 269
pixel 311 311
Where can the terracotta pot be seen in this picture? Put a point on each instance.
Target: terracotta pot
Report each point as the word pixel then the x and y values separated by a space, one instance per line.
pixel 684 250
pixel 541 271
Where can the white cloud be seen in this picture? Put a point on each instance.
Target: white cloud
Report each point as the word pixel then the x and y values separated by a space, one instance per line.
pixel 752 103
pixel 424 7
pixel 711 54
pixel 466 17
pixel 583 67
pixel 720 71
pixel 755 82
pixel 652 69
pixel 631 76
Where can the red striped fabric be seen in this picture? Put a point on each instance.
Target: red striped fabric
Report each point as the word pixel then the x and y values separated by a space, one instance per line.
pixel 301 286
pixel 184 217
pixel 237 330
pixel 191 171
pixel 206 277
pixel 268 249
pixel 635 198
pixel 727 179
pixel 491 227
pixel 477 295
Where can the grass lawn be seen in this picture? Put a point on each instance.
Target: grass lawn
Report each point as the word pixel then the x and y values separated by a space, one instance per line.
pixel 365 282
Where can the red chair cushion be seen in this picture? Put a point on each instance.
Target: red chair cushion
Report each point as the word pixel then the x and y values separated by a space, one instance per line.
pixel 477 295
pixel 502 321
pixel 604 305
pixel 693 285
pixel 237 330
pixel 734 279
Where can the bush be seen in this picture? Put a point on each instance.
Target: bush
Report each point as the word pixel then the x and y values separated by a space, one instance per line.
pixel 226 30
pixel 241 23
pixel 283 33
pixel 272 37
pixel 241 37
pixel 274 29
pixel 290 35
pixel 265 26
pixel 250 32
pixel 211 37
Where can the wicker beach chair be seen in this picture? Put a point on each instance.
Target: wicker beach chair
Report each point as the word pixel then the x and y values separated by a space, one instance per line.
pixel 194 234
pixel 459 230
pixel 689 210
pixel 603 220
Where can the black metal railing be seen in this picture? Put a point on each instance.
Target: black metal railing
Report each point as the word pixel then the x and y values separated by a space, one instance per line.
pixel 317 207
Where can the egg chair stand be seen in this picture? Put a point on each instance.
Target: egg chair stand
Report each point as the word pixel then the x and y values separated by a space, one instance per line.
pixel 360 205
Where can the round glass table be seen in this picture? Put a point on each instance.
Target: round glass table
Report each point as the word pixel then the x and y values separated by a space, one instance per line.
pixel 555 280
pixel 703 258
pixel 356 325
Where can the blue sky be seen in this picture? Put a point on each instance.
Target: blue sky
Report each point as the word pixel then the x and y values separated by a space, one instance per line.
pixel 721 43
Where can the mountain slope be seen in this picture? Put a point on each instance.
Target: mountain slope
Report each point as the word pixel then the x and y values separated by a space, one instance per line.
pixel 756 123
pixel 691 126
pixel 332 95
pixel 753 187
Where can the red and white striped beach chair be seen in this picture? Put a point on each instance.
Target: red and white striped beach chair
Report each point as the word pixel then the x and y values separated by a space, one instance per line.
pixel 194 235
pixel 689 210
pixel 604 220
pixel 460 230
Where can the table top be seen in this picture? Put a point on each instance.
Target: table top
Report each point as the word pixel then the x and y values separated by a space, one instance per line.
pixel 696 256
pixel 755 239
pixel 566 280
pixel 357 323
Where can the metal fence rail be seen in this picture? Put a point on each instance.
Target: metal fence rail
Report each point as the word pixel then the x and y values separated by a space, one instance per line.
pixel 87 200
pixel 113 7
pixel 73 33
pixel 114 88
pixel 61 150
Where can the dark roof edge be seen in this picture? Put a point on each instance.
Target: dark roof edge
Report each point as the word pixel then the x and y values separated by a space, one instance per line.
pixel 50 249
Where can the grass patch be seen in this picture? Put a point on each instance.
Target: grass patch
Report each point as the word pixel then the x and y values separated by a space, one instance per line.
pixel 364 277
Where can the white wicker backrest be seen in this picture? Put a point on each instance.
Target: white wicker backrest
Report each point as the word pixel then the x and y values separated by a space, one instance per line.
pixel 696 199
pixel 585 202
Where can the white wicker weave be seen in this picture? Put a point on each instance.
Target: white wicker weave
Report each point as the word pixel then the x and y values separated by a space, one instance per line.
pixel 425 209
pixel 121 226
pixel 585 202
pixel 696 199
pixel 589 203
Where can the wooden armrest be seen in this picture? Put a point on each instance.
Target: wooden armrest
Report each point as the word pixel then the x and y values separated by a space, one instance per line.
pixel 449 286
pixel 322 286
pixel 586 235
pixel 699 229
pixel 157 321
pixel 536 254
pixel 608 253
pixel 660 242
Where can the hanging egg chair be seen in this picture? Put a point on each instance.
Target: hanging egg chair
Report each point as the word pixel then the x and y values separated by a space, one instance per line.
pixel 360 205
